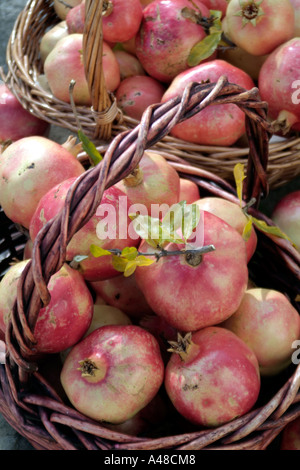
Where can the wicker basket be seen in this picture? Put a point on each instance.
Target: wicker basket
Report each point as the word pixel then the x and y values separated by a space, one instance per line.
pixel 28 400
pixel 106 121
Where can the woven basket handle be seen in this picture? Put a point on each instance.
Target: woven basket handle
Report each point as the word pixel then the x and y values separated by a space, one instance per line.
pixel 104 106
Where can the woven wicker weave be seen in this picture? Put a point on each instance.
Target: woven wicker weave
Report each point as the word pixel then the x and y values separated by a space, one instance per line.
pixel 29 401
pixel 25 67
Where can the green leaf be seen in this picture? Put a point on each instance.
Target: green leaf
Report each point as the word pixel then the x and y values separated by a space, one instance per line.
pixel 89 148
pixel 207 46
pixel 173 218
pixel 271 229
pixel 97 251
pixel 239 176
pixel 204 49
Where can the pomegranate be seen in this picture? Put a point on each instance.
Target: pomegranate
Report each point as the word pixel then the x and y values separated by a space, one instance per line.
pixel 153 186
pixel 259 26
pixel 51 37
pixel 146 420
pixel 194 291
pixel 123 293
pixel 212 377
pixel 161 330
pixel 286 214
pixel 167 35
pixel 30 167
pixel 233 215
pixel 290 436
pixel 107 315
pixel 279 85
pixel 136 93
pixel 129 64
pixel 64 321
pixel 238 57
pixel 121 20
pixel 62 8
pixel 15 121
pixel 102 315
pixel 113 373
pixel 129 46
pixel 75 19
pixel 65 63
pixel 220 5
pixel 189 191
pixel 214 125
pixel 110 219
pixel 269 324
pixel 296 5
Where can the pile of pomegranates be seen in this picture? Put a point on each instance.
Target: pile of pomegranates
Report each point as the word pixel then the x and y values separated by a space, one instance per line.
pixel 154 308
pixel 151 49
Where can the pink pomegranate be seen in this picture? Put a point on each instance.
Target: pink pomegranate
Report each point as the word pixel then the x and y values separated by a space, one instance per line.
pixel 153 186
pixel 136 93
pixel 279 85
pixel 121 20
pixel 193 291
pixel 214 378
pixel 75 19
pixel 15 121
pixel 29 168
pixel 189 191
pixel 259 27
pixel 129 64
pixel 108 228
pixel 167 35
pixel 286 214
pixel 218 124
pixel 233 215
pixel 65 63
pixel 123 293
pixel 269 324
pixel 296 5
pixel 113 373
pixel 64 321
pixel 220 5
pixel 51 37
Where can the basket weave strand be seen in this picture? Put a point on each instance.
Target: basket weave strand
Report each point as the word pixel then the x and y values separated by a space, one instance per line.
pixel 97 122
pixel 30 403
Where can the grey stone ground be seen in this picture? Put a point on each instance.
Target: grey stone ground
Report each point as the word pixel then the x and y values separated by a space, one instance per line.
pixel 9 9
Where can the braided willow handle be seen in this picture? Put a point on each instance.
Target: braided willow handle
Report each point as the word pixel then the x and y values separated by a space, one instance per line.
pixel 121 157
pixel 104 107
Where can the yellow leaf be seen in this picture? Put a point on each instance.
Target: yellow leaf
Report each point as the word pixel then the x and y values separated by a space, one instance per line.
pixel 239 176
pixel 272 229
pixel 98 251
pixel 130 268
pixel 144 261
pixel 247 228
pixel 129 253
pixel 119 263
